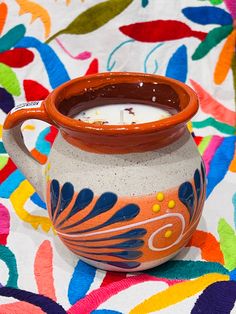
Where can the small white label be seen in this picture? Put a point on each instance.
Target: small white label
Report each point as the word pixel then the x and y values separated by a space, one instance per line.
pixel 27 105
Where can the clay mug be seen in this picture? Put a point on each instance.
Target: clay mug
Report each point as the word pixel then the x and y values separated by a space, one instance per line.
pixel 122 197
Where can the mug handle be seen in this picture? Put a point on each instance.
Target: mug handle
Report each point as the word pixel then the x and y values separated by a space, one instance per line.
pixel 14 142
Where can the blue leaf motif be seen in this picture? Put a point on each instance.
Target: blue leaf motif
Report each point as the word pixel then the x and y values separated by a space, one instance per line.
pixel 56 71
pixel 67 193
pixel 55 192
pixel 197 182
pixel 220 163
pixel 126 255
pixel 178 65
pixel 134 233
pixel 186 196
pixel 128 212
pixel 83 199
pixel 203 172
pixel 208 15
pixel 81 281
pixel 122 245
pixel 105 202
pixel 127 265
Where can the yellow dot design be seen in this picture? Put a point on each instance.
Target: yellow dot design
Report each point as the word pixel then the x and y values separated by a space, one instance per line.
pixel 156 208
pixel 171 204
pixel 160 197
pixel 168 234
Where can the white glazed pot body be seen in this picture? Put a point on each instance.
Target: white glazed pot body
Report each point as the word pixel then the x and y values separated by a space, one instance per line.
pixel 161 193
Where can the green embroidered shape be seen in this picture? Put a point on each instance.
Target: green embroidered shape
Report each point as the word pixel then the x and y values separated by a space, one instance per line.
pixel 213 38
pixel 186 269
pixel 215 2
pixel 11 38
pixel 9 80
pixel 3 161
pixel 94 17
pixel 204 143
pixel 227 244
pixel 220 126
pixel 9 259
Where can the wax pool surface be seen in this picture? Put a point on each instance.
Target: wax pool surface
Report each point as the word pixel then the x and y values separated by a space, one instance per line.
pixel 122 114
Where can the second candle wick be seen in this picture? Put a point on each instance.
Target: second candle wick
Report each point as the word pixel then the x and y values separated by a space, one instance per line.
pixel 122 117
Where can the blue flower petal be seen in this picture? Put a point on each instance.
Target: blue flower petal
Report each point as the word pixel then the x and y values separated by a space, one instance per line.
pixel 81 281
pixel 232 275
pixel 178 65
pixel 208 15
pixel 37 200
pixel 56 71
pixel 220 163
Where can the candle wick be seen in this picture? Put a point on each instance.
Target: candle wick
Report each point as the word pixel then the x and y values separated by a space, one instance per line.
pixel 122 117
pixel 130 110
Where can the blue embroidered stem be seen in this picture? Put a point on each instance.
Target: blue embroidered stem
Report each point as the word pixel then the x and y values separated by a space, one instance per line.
pixel 109 66
pixel 148 57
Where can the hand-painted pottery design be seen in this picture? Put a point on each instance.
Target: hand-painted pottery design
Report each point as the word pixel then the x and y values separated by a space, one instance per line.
pixel 122 197
pixel 128 233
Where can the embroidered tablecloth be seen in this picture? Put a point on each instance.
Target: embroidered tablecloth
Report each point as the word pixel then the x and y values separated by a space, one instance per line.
pixel 45 43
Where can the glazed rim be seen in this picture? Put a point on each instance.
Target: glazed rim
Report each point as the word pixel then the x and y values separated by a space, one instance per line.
pixel 180 118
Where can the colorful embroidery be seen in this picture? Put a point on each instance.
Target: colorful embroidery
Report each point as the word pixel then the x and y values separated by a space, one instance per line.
pixel 195 45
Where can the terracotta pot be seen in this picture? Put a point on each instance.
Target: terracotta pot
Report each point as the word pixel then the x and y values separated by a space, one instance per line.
pixel 122 197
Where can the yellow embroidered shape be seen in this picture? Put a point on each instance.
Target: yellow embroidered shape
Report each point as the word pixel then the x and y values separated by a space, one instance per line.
pixel 18 199
pixel 177 293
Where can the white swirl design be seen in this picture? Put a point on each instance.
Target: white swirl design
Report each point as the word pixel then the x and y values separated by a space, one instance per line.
pixel 150 244
pixel 150 240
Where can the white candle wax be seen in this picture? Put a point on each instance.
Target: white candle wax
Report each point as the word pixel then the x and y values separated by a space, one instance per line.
pixel 122 114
